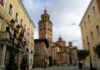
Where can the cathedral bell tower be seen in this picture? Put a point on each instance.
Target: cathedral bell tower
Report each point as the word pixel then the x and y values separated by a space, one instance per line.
pixel 45 27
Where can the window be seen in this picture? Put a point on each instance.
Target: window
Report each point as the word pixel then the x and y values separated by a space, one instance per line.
pixel 48 29
pixel 2 2
pixel 16 17
pixel 89 18
pixel 43 28
pixel 40 29
pixel 92 35
pixel 43 24
pixel 94 11
pixel 39 24
pixel 10 9
pixel 87 39
pixel 21 21
pixel 0 24
pixel 85 24
pixel 97 29
pixel 43 18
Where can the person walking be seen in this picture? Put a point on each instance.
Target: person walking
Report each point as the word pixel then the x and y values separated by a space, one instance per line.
pixel 80 65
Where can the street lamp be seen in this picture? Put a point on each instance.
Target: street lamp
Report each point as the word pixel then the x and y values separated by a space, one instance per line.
pixel 11 64
pixel 91 67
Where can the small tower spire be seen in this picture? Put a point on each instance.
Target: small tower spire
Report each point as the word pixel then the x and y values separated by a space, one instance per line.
pixel 45 11
pixel 60 38
pixel 70 43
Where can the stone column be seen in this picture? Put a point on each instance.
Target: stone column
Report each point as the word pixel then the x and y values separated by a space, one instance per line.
pixel 3 56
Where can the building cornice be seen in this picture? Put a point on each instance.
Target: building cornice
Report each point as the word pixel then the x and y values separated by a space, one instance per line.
pixel 25 11
pixel 86 12
pixel 33 23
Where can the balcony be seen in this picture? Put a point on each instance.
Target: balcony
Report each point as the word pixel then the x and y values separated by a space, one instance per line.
pixel 5 38
pixel 4 35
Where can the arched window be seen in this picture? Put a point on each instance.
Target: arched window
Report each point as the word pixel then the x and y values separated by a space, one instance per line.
pixel 94 11
pixel 98 30
pixel 21 22
pixel 16 17
pixel 89 18
pixel 10 9
pixel 2 2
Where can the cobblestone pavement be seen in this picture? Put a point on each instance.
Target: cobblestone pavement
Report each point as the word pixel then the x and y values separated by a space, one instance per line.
pixel 60 68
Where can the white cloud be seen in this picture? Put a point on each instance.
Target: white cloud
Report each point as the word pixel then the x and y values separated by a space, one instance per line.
pixel 30 5
pixel 36 35
pixel 65 15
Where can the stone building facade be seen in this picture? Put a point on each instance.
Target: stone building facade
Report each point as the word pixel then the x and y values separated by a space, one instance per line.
pixel 14 31
pixel 63 54
pixel 40 53
pixel 45 27
pixel 45 33
pixel 90 30
pixel 72 58
pixel 56 52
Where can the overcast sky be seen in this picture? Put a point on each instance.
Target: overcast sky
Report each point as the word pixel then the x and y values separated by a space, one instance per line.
pixel 65 16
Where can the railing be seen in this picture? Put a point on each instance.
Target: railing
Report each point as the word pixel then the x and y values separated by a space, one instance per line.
pixel 4 35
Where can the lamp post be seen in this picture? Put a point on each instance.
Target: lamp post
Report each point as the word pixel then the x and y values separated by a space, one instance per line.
pixel 91 67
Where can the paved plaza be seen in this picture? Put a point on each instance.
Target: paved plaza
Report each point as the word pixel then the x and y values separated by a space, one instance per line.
pixel 60 68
